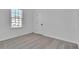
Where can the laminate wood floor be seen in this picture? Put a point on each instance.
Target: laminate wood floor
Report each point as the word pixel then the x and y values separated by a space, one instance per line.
pixel 36 41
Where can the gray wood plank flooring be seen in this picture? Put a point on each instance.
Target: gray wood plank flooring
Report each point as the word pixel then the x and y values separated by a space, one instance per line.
pixel 36 41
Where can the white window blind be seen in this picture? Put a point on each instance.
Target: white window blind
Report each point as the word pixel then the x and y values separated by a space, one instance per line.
pixel 16 18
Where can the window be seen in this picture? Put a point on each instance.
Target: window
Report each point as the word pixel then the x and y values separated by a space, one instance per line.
pixel 16 18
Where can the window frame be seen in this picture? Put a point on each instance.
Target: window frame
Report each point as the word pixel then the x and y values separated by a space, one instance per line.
pixel 20 19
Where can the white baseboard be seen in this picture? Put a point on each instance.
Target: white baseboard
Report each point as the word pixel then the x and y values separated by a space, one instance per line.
pixel 59 38
pixel 6 38
pixel 43 35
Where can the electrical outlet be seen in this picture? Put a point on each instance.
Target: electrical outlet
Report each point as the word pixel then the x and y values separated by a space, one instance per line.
pixel 41 24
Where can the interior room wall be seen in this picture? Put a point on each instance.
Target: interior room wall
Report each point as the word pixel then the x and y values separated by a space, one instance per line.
pixel 60 24
pixel 5 29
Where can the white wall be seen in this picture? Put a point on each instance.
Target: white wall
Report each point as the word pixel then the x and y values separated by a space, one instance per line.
pixel 60 24
pixel 6 32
